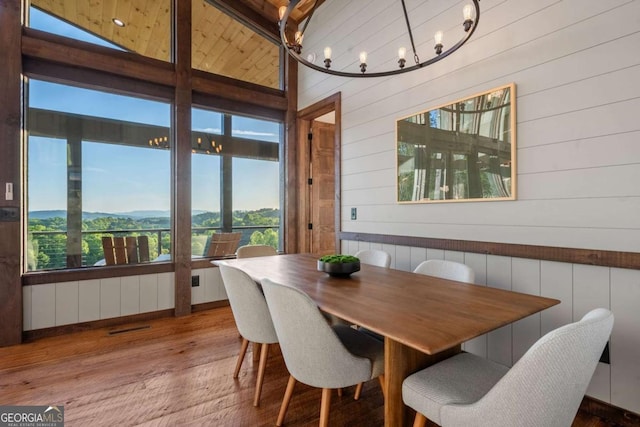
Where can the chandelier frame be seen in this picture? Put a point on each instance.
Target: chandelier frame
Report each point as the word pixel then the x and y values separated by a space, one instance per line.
pixel 295 49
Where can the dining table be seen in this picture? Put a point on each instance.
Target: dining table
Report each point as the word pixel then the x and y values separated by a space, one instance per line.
pixel 423 319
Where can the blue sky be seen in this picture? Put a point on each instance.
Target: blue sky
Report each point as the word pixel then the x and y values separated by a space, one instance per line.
pixel 119 178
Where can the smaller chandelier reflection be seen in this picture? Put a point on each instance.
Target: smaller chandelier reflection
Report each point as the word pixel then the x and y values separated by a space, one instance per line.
pixel 161 142
pixel 206 146
pixel 294 46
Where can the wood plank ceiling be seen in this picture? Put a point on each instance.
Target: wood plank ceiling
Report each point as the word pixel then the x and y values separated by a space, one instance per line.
pixel 221 45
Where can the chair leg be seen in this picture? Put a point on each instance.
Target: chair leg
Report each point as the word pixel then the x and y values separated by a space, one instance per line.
pixel 420 420
pixel 256 351
pixel 356 396
pixel 381 379
pixel 324 407
pixel 285 401
pixel 264 352
pixel 243 350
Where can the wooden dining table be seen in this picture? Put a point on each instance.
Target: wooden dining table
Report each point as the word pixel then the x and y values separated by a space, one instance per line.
pixel 423 319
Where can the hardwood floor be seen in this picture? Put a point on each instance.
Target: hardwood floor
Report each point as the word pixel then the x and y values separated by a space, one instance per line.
pixel 175 371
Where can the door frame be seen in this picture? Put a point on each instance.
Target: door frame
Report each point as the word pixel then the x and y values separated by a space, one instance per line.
pixel 305 117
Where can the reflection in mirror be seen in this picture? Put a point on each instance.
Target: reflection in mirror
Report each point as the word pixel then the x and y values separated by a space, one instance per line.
pixel 461 151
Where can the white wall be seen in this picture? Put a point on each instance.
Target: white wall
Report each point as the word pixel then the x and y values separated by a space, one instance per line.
pixel 57 304
pixel 576 66
pixel 580 288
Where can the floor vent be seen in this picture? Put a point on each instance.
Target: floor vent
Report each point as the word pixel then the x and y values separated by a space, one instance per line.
pixel 135 328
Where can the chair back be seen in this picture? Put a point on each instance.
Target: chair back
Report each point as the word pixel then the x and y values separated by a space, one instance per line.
pixel 374 257
pixel 250 251
pixel 125 250
pixel 248 305
pixel 450 270
pixel 312 351
pixel 545 387
pixel 222 244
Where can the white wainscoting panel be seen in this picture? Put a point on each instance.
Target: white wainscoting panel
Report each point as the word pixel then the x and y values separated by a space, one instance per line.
pixel 67 307
pixel 625 339
pixel 556 281
pixel 66 303
pixel 580 288
pixel 148 293
pixel 525 279
pixel 43 298
pixel 88 300
pixel 110 297
pixel 129 295
pixel 499 341
pixel 591 289
pixel 166 291
pixel 198 292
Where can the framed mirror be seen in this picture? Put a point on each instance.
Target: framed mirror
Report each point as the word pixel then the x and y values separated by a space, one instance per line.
pixel 462 151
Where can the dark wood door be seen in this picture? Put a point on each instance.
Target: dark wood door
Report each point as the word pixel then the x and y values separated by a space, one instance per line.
pixel 322 188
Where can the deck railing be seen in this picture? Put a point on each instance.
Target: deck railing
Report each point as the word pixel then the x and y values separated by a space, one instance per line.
pixel 47 250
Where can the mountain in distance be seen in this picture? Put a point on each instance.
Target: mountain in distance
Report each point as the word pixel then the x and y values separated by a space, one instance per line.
pixel 47 214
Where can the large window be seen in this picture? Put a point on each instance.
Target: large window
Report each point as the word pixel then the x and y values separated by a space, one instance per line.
pixel 235 179
pixel 98 165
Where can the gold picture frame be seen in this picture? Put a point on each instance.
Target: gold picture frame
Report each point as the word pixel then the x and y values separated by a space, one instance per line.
pixel 464 150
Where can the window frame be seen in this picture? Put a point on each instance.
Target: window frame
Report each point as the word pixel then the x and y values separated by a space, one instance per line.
pixel 54 58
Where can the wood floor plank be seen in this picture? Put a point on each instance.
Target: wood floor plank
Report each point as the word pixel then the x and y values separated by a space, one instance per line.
pixel 174 371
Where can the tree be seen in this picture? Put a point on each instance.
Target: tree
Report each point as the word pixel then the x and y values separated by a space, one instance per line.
pixel 269 237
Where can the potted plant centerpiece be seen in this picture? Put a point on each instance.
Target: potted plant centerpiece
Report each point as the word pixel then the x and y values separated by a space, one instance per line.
pixel 339 265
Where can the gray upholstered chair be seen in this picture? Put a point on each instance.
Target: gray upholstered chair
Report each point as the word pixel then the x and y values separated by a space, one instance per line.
pixel 317 354
pixel 250 251
pixel 374 257
pixel 544 388
pixel 252 319
pixel 450 270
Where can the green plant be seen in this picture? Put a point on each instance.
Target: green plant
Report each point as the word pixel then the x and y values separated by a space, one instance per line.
pixel 339 258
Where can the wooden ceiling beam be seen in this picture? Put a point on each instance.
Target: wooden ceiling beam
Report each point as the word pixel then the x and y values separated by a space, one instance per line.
pixel 265 21
pixel 57 49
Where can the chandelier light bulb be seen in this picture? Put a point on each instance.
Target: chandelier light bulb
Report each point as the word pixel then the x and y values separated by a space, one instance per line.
pixel 327 57
pixel 298 37
pixel 438 38
pixel 467 10
pixel 363 61
pixel 281 11
pixel 402 53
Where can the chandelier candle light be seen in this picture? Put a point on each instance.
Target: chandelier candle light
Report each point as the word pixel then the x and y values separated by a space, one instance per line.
pixel 294 47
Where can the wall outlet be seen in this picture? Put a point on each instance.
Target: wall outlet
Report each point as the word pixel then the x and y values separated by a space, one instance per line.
pixel 195 281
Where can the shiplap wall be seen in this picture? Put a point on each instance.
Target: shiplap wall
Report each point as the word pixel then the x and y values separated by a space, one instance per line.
pixel 57 304
pixel 580 288
pixel 576 66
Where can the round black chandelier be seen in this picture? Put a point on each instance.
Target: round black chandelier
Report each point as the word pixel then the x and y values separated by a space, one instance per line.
pixel 294 47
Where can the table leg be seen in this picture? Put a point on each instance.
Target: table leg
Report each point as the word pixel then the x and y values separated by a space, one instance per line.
pixel 399 362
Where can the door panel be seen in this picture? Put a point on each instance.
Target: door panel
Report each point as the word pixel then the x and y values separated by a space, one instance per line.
pixel 322 188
